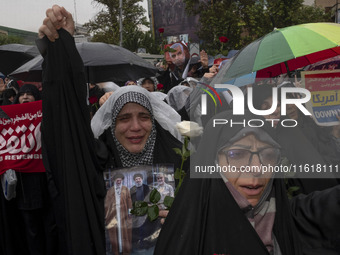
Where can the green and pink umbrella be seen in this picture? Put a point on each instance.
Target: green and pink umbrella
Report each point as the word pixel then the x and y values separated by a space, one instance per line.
pixel 284 50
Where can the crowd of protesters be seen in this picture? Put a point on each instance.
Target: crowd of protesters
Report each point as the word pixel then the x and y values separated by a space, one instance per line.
pixel 86 129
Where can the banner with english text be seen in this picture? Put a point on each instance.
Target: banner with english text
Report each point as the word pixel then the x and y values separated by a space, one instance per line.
pixel 20 138
pixel 324 104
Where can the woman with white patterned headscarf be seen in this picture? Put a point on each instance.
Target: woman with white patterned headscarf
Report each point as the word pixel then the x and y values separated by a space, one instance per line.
pixel 137 128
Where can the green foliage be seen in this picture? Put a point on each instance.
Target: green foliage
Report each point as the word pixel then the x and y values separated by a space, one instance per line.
pixel 155 196
pixel 140 208
pixel 105 26
pixel 178 173
pixel 153 212
pixel 217 19
pixel 185 154
pixel 169 49
pixel 149 43
pixel 243 21
pixel 10 39
pixel 309 14
pixel 178 151
pixel 168 201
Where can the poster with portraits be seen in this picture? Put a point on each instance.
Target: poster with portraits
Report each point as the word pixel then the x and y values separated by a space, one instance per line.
pixel 125 232
pixel 171 16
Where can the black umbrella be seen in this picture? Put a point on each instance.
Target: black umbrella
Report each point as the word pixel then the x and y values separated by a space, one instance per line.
pixel 103 62
pixel 14 55
pixel 30 71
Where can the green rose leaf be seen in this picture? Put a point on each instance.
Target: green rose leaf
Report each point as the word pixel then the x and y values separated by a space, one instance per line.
pixel 155 196
pixel 168 49
pixel 168 201
pixel 293 189
pixel 177 174
pixel 140 208
pixel 187 154
pixel 140 204
pixel 178 151
pixel 153 212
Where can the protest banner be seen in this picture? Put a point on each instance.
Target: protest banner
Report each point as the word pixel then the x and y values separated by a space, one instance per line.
pixel 325 99
pixel 20 138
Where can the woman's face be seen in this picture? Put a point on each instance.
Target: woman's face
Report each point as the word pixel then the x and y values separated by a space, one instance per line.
pixel 131 83
pixel 26 97
pixel 148 85
pixel 249 184
pixel 133 127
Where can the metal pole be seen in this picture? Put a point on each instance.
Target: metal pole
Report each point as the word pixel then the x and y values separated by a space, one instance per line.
pixel 336 12
pixel 75 16
pixel 121 23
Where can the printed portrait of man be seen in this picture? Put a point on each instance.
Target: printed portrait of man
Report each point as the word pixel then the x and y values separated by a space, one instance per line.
pixel 163 188
pixel 140 190
pixel 143 230
pixel 180 56
pixel 117 219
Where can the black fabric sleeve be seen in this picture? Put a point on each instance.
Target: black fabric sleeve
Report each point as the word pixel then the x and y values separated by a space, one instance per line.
pixel 102 153
pixel 68 150
pixel 317 217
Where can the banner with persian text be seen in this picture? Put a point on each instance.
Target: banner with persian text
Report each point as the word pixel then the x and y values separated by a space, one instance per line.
pixel 20 138
pixel 324 104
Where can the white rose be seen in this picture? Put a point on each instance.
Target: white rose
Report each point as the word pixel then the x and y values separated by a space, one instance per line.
pixel 189 128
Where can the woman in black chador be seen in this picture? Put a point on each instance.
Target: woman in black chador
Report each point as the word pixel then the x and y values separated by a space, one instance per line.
pixel 246 212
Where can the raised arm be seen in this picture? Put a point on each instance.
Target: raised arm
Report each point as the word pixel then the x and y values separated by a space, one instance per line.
pixel 56 17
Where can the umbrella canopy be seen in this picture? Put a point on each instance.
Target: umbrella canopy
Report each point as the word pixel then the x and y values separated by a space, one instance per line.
pixel 103 62
pixel 103 54
pixel 30 71
pixel 327 64
pixel 284 50
pixel 14 55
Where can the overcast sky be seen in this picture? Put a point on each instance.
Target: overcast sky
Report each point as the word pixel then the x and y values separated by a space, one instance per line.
pixel 29 14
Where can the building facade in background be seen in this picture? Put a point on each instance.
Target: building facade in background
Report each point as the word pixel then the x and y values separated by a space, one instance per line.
pixel 27 36
pixel 331 6
pixel 81 34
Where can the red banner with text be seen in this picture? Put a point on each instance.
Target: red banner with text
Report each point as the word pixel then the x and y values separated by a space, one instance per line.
pixel 20 138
